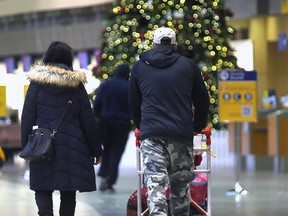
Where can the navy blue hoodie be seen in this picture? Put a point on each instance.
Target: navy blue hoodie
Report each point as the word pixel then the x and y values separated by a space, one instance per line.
pixel 112 96
pixel 164 86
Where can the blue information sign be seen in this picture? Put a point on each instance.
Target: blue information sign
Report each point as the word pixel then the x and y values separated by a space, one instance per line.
pixel 282 42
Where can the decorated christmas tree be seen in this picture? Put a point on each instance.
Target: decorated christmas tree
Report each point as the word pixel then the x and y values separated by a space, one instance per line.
pixel 202 29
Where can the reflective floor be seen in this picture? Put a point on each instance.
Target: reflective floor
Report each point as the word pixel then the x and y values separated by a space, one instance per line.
pixel 267 191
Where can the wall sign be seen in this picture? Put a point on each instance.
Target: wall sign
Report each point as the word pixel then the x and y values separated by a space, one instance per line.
pixel 237 95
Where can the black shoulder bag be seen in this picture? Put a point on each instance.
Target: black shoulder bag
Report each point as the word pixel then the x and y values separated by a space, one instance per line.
pixel 39 146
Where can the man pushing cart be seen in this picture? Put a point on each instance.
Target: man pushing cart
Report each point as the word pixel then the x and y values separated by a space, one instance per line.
pixel 168 101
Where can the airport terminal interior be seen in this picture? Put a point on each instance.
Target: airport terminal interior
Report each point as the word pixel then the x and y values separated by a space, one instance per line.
pixel 249 166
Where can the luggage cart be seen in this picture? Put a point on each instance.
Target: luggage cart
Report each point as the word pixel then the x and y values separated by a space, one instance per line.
pixel 136 199
pixel 205 147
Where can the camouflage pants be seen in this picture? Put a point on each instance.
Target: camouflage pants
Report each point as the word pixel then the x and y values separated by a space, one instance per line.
pixel 166 163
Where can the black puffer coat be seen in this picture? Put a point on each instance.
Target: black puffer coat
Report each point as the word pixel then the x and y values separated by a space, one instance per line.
pixel 76 141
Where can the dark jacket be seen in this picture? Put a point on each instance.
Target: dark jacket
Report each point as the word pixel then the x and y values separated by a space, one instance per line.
pixel 112 98
pixel 163 87
pixel 76 141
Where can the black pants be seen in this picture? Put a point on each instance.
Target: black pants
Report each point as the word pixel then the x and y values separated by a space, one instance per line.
pixel 114 138
pixel 44 202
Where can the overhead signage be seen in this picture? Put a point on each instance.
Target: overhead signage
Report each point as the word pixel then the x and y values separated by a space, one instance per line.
pixel 237 95
pixel 3 102
pixel 282 42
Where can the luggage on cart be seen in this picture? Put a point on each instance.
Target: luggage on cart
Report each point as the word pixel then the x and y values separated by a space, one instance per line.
pixel 198 191
pixel 132 203
pixel 199 187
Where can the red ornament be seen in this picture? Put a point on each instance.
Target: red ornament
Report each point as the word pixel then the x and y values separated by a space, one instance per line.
pixel 121 11
pixel 100 59
pixel 142 36
pixel 212 30
pixel 191 18
pixel 205 76
pixel 96 71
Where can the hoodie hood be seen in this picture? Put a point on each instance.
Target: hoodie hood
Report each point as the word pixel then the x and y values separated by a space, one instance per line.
pixel 122 71
pixel 160 57
pixel 58 75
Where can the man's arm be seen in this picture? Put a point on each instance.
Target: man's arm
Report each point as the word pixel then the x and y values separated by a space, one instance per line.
pixel 135 100
pixel 201 102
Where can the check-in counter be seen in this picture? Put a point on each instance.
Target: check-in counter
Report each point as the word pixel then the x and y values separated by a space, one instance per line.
pixel 254 135
pixel 254 146
pixel 278 138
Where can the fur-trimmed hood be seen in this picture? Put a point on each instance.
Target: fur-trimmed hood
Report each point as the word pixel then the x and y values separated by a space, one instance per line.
pixel 55 75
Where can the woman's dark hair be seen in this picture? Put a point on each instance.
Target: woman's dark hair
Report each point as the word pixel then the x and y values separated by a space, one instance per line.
pixel 60 53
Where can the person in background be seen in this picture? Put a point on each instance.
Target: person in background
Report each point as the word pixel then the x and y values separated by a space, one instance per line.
pixel 53 82
pixel 112 112
pixel 164 88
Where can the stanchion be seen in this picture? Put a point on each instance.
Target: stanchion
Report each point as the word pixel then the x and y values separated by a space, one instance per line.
pixel 238 189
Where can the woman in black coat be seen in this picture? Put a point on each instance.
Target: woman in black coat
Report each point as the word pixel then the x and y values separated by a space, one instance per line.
pixel 76 145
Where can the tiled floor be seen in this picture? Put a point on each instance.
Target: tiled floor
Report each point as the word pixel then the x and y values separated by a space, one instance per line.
pixel 267 191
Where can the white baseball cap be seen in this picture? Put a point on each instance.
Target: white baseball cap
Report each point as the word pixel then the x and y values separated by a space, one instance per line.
pixel 164 32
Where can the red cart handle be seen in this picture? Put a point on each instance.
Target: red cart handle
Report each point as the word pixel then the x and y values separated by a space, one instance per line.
pixel 137 135
pixel 206 131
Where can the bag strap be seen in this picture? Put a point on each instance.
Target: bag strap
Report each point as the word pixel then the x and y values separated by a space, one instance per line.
pixel 61 118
